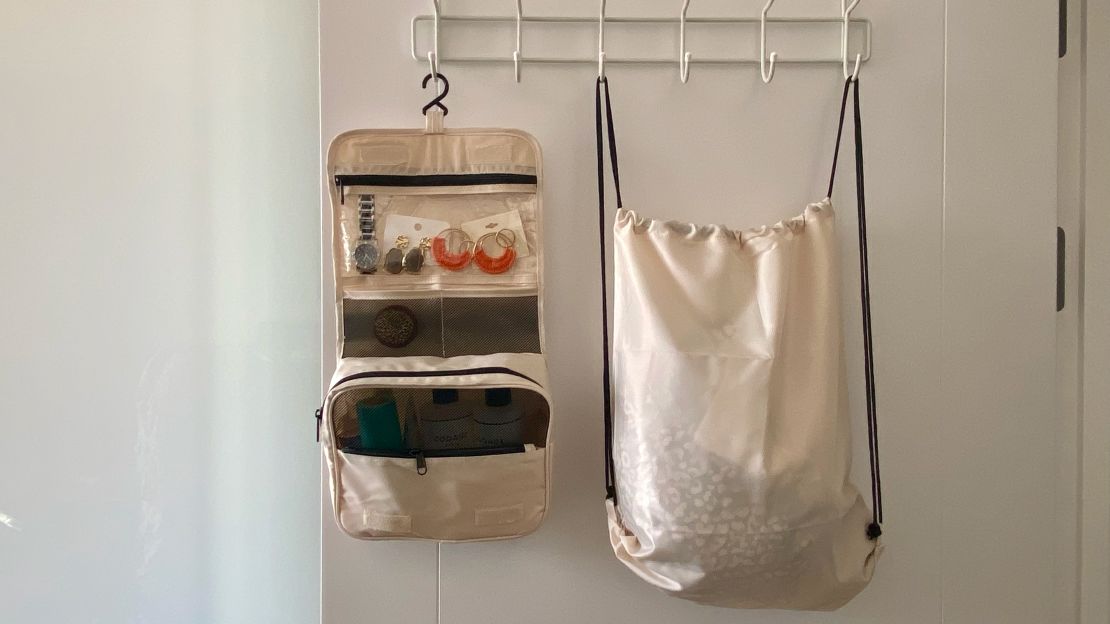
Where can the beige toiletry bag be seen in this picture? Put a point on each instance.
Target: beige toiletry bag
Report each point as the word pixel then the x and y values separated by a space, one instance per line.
pixel 437 423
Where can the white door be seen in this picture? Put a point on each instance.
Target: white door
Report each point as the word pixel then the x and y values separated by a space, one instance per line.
pixel 960 125
pixel 1093 309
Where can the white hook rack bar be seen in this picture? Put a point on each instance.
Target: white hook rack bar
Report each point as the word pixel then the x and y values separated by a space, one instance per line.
pixel 449 22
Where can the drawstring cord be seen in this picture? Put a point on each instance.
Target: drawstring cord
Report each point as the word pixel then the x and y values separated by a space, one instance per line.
pixel 874 530
pixel 606 380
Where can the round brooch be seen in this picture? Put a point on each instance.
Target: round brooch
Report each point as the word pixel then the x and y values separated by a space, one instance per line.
pixel 395 326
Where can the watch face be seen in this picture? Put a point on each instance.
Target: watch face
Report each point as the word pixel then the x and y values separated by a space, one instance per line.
pixel 366 256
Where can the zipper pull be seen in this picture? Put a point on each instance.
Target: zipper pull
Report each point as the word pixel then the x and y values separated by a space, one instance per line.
pixel 319 421
pixel 421 463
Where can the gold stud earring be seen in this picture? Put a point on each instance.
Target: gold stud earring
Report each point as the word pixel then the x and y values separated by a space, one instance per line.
pixel 395 259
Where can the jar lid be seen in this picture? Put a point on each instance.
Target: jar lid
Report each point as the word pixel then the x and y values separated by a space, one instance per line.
pixel 443 396
pixel 499 397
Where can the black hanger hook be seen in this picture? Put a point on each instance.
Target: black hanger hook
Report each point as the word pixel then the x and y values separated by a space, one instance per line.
pixel 438 100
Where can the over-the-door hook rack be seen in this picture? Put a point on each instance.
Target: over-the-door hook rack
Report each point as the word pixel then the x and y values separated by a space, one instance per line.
pixel 766 63
pixel 684 55
pixel 516 53
pixel 425 30
pixel 433 54
pixel 601 43
pixel 846 10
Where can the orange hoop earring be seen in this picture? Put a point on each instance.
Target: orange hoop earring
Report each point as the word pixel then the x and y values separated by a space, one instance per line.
pixel 504 239
pixel 452 260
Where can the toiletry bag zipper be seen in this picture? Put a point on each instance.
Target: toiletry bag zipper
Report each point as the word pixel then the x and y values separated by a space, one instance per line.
pixel 421 454
pixel 342 181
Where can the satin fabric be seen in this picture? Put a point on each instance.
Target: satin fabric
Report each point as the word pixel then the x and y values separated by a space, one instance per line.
pixel 731 434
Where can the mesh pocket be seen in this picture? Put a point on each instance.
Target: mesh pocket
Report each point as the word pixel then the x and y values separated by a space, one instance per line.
pixel 392 327
pixel 484 325
pixel 442 327
pixel 345 415
pixel 413 405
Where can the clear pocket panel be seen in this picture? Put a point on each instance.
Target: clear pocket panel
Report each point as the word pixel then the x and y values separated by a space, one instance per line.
pixel 466 423
pixel 440 326
pixel 402 225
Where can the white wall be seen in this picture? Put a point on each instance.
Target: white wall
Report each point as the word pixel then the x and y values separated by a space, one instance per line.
pixel 159 317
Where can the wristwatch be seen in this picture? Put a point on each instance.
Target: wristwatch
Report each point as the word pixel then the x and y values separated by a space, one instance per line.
pixel 366 253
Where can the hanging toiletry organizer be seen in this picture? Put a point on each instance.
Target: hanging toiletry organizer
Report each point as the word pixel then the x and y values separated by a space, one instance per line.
pixel 437 423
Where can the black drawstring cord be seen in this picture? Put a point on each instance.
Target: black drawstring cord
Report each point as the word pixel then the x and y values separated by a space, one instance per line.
pixel 874 529
pixel 607 393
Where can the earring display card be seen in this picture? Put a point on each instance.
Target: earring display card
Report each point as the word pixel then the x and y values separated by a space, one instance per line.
pixel 414 229
pixel 477 228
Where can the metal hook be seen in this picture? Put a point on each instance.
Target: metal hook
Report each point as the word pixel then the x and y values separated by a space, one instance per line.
pixel 847 11
pixel 766 70
pixel 516 54
pixel 601 43
pixel 683 55
pixel 433 67
pixel 433 54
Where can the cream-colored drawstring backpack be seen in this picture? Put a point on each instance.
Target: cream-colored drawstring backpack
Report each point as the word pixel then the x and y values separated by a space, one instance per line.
pixel 727 442
pixel 443 470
